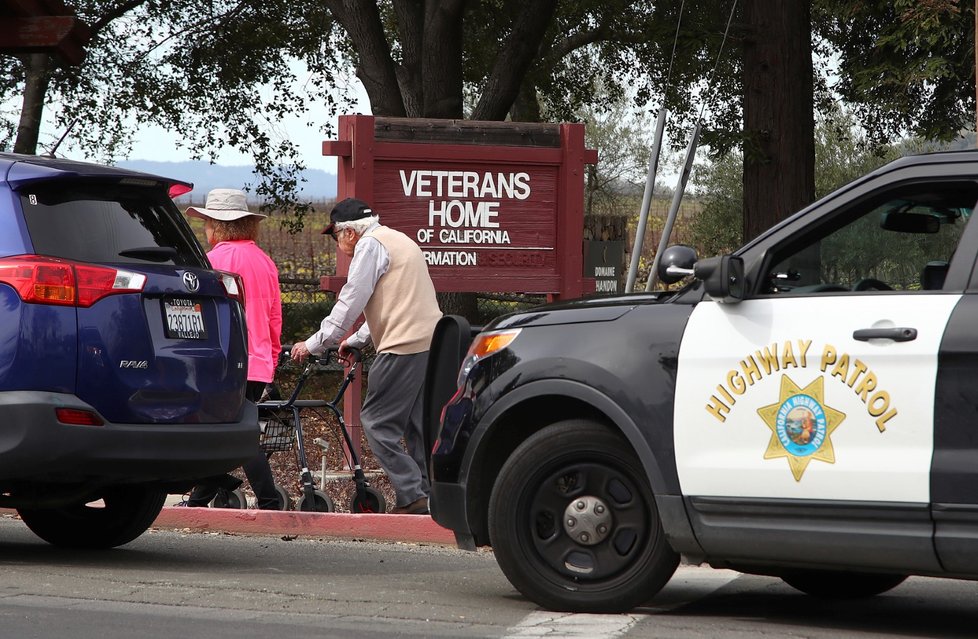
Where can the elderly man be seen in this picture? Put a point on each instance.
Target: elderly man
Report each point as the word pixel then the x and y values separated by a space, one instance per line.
pixel 389 283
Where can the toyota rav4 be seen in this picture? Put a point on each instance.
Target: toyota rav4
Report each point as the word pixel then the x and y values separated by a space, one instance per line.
pixel 122 353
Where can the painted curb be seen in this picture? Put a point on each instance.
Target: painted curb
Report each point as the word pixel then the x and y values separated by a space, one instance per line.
pixel 406 528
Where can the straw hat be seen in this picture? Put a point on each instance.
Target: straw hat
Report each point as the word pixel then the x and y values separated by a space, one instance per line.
pixel 224 205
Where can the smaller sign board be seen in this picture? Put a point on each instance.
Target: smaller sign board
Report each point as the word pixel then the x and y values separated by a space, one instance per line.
pixel 604 260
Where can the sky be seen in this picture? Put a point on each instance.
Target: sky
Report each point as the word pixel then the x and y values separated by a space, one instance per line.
pixel 154 143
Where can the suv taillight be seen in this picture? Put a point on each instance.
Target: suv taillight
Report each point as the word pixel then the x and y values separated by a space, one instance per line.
pixel 233 286
pixel 47 280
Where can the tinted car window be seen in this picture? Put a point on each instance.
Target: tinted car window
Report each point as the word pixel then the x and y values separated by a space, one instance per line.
pixel 891 242
pixel 98 222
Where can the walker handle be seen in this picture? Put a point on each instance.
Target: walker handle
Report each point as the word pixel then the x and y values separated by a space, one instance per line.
pixel 356 355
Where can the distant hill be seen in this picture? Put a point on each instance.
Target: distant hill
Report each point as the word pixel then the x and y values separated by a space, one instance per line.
pixel 319 184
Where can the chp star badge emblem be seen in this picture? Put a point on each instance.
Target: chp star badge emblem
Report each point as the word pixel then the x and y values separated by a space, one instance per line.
pixel 801 425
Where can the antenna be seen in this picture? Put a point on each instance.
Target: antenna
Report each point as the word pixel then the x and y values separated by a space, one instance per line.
pixel 54 148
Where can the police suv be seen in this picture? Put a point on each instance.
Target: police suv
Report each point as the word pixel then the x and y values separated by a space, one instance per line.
pixel 805 408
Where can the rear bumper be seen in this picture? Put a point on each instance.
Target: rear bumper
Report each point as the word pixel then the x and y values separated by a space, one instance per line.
pixel 35 447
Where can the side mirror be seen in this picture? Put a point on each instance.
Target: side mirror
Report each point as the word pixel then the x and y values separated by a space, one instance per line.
pixel 676 263
pixel 722 277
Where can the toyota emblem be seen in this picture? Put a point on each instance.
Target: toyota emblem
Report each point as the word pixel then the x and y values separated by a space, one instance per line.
pixel 191 282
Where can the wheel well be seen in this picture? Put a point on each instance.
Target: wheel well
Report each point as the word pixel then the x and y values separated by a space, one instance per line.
pixel 516 425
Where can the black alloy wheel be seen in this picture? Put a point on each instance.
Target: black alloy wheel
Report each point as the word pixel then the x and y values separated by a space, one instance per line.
pixel 573 522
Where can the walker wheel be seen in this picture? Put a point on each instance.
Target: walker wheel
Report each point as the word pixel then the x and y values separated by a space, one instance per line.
pixel 284 498
pixel 229 499
pixel 320 503
pixel 373 502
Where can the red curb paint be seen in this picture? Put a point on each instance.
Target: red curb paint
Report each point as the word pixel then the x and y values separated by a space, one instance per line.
pixel 408 528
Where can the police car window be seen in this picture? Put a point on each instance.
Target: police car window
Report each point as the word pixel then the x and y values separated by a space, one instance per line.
pixel 901 241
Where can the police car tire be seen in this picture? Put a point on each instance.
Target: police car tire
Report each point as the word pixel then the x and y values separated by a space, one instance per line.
pixel 841 585
pixel 526 521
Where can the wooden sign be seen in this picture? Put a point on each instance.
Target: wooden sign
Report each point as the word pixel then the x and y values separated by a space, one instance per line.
pixel 494 206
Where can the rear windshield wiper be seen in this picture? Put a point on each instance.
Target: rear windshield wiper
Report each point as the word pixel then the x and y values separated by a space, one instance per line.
pixel 151 253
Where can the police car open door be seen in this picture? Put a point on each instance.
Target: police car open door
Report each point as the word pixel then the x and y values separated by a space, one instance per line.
pixel 814 397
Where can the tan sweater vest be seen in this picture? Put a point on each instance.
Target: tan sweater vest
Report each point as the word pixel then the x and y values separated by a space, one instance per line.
pixel 403 310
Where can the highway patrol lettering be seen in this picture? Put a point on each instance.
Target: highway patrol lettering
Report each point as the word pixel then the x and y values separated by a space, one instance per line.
pixel 752 369
pixel 852 372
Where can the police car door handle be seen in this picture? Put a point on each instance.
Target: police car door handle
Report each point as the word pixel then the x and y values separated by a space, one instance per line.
pixel 896 333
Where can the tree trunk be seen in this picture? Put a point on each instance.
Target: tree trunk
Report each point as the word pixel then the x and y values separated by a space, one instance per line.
pixel 37 76
pixel 427 81
pixel 514 60
pixel 441 60
pixel 410 29
pixel 441 65
pixel 779 170
pixel 526 107
pixel 375 66
pixel 464 304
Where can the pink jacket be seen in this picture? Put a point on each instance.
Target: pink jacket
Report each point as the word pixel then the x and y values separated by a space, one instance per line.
pixel 263 302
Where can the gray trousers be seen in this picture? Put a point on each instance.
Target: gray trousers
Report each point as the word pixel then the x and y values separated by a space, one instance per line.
pixel 392 412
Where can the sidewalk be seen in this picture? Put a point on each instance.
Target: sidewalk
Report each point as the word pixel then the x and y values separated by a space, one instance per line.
pixel 406 528
pixel 420 529
pixel 385 527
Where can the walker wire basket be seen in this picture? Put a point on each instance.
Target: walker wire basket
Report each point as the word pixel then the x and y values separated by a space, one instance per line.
pixel 277 430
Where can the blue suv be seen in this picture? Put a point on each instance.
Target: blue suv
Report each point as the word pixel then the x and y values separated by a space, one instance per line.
pixel 123 356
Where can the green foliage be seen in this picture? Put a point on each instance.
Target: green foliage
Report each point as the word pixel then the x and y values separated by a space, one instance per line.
pixel 904 65
pixel 864 249
pixel 718 228
pixel 219 75
pixel 623 143
pixel 302 319
pixel 223 74
pixel 843 152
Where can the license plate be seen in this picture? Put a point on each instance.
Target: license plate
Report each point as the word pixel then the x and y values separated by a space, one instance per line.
pixel 184 319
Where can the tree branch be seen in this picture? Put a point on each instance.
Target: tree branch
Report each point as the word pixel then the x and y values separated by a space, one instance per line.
pixel 375 67
pixel 514 60
pixel 578 40
pixel 114 14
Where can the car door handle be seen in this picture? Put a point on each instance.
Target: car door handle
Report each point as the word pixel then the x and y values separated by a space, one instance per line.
pixel 897 334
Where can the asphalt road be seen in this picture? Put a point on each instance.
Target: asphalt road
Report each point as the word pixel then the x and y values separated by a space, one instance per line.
pixel 175 585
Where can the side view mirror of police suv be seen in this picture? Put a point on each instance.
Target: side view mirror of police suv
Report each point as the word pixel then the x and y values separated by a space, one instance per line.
pixel 722 277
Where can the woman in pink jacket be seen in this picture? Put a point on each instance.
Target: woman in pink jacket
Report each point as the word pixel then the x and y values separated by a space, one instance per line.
pixel 231 231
